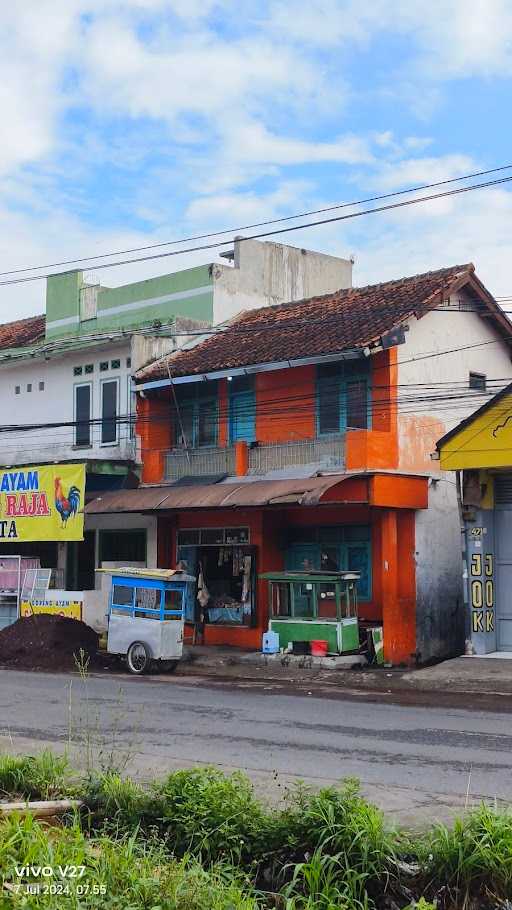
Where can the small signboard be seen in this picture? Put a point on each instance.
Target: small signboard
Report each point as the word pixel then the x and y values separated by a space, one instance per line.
pixel 61 603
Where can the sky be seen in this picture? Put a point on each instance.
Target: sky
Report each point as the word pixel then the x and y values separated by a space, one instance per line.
pixel 131 122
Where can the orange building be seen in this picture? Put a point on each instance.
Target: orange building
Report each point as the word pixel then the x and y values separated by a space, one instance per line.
pixel 299 436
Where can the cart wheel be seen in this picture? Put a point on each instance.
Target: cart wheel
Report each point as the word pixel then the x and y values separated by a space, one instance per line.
pixel 138 658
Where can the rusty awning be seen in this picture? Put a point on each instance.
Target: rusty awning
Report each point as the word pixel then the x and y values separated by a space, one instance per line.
pixel 302 491
pixel 372 488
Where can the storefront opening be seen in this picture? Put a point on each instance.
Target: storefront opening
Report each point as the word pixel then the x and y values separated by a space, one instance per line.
pixel 223 562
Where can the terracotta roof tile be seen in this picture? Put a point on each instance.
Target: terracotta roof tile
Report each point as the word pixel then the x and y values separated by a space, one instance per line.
pixel 22 332
pixel 319 325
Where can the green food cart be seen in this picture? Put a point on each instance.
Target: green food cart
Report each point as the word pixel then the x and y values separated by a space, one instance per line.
pixel 314 605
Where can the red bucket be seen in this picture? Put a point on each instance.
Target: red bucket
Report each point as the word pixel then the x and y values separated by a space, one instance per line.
pixel 319 648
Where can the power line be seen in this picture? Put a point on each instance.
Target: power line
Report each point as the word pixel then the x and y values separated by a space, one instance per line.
pixel 256 224
pixel 466 347
pixel 285 230
pixel 449 398
pixel 76 344
pixel 273 410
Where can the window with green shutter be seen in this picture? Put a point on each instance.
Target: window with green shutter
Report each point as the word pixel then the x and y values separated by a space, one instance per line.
pixel 343 397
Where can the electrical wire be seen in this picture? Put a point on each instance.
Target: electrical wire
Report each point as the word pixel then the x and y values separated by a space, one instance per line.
pixel 418 357
pixel 273 411
pixel 256 224
pixel 285 230
pixel 400 313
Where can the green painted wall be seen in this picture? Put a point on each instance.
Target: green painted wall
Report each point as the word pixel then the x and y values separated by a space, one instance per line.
pixel 62 295
pixel 129 306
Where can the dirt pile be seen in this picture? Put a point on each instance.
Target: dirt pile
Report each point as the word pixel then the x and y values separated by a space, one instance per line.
pixel 47 642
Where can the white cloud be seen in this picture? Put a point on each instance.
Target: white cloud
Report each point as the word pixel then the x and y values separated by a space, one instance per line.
pixel 455 38
pixel 34 40
pixel 417 143
pixel 192 74
pixel 394 175
pixel 473 227
pixel 231 209
pixel 252 142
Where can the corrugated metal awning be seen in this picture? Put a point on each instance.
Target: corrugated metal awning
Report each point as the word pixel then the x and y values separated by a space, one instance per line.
pixel 301 491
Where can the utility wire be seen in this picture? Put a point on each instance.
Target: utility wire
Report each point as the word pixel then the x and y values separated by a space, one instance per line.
pixel 285 230
pixel 428 393
pixel 467 347
pixel 272 410
pixel 256 224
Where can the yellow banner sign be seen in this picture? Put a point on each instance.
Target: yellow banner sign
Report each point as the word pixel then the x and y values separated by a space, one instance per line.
pixel 72 608
pixel 44 502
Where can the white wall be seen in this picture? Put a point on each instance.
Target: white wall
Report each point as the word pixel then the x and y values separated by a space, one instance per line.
pixel 96 602
pixel 266 273
pixel 55 403
pixel 421 423
pixel 439 604
pixel 127 522
pixel 146 348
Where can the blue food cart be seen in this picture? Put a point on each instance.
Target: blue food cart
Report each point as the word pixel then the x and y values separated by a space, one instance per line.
pixel 146 617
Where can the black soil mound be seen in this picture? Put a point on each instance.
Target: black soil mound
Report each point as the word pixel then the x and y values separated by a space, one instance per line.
pixel 47 642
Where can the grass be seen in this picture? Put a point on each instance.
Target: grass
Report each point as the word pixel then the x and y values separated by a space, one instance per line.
pixel 338 821
pixel 42 776
pixel 124 874
pixel 473 856
pixel 328 883
pixel 200 838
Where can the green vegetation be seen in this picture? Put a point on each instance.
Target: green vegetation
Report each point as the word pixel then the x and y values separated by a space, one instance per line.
pixel 201 839
pixel 41 776
pixel 122 874
pixel 474 855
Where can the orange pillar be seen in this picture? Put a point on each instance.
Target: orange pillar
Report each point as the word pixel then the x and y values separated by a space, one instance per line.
pixel 154 427
pixel 241 458
pixel 398 614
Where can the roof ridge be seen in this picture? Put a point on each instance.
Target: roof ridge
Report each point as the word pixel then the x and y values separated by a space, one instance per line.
pixel 358 289
pixel 23 319
pixel 348 318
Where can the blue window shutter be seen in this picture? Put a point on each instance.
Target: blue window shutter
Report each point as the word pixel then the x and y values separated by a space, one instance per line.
pixel 242 415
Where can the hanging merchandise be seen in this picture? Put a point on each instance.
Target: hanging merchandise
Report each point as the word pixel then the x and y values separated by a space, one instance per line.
pixel 246 587
pixel 203 594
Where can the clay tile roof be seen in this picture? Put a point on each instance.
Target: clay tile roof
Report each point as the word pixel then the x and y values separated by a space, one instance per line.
pixel 22 332
pixel 329 324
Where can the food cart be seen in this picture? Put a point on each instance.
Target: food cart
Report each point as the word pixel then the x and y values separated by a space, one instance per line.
pixel 146 616
pixel 314 606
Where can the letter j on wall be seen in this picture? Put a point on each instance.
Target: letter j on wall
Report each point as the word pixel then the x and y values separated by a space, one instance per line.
pixel 42 502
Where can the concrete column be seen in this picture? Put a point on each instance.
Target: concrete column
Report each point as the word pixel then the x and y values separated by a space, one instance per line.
pixel 398 613
pixel 241 458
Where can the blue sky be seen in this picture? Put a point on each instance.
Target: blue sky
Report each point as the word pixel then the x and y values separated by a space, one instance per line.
pixel 129 122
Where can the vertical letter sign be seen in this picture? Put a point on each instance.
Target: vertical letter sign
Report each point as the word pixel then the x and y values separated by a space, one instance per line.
pixel 482 592
pixel 43 502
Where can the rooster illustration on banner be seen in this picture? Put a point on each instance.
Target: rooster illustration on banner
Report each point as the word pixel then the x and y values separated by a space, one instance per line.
pixel 67 505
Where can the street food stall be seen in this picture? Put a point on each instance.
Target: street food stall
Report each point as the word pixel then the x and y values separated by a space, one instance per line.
pixel 146 616
pixel 308 606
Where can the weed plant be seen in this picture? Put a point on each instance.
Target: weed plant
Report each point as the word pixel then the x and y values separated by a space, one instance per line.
pixel 124 874
pixel 43 776
pixel 473 857
pixel 200 838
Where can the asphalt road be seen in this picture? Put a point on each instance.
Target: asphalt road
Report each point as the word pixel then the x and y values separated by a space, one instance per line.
pixel 417 763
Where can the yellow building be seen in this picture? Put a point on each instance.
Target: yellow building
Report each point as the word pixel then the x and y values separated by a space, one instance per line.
pixel 479 449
